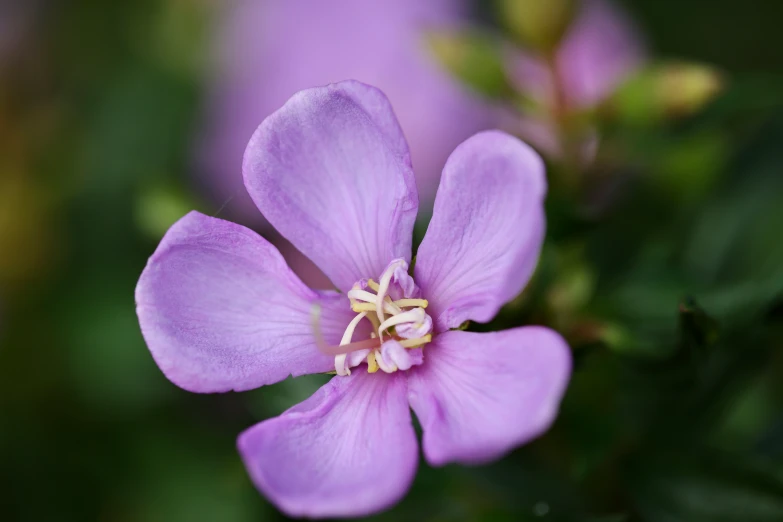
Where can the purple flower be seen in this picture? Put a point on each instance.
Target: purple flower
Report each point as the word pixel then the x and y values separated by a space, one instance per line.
pixel 331 170
pixel 271 48
pixel 599 51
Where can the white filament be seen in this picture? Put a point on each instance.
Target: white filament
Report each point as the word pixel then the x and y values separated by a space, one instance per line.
pixel 364 303
pixel 415 316
pixel 368 297
pixel 348 335
pixel 383 287
pixel 339 360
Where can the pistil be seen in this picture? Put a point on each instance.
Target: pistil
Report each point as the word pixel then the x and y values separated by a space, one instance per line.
pixel 397 325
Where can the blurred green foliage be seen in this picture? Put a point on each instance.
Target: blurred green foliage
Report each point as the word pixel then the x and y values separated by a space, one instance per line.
pixel 474 57
pixel 664 270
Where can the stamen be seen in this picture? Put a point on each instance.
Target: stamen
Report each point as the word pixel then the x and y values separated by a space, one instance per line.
pixel 375 324
pixel 324 347
pixel 394 355
pixel 357 294
pixel 405 303
pixel 383 364
pixel 413 343
pixel 344 362
pixel 339 365
pixel 405 321
pixel 355 358
pixel 383 287
pixel 339 360
pixel 370 307
pixel 372 364
pixel 350 347
pixel 348 335
pixel 415 316
pixel 361 295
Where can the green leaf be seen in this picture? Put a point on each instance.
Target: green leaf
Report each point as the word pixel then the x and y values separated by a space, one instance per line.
pixel 698 331
pixel 160 206
pixel 474 57
pixel 705 486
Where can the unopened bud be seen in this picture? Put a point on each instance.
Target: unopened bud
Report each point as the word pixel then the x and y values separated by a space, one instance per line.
pixel 537 23
pixel 666 90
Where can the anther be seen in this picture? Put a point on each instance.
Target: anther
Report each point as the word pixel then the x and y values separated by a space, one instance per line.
pixel 370 307
pixel 383 287
pixel 405 303
pixel 413 343
pixel 372 365
pixel 415 316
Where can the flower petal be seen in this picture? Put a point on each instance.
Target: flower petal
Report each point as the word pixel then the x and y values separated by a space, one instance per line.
pixel 479 395
pixel 331 172
pixel 221 311
pixel 486 231
pixel 349 450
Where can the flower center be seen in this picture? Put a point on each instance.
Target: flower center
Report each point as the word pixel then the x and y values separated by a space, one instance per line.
pixel 390 313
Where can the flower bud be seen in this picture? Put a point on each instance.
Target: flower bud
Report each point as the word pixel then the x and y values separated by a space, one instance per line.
pixel 537 23
pixel 666 90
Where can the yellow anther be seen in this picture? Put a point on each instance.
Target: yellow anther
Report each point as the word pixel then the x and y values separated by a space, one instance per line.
pixel 372 284
pixel 388 307
pixel 372 365
pixel 388 303
pixel 413 343
pixel 404 303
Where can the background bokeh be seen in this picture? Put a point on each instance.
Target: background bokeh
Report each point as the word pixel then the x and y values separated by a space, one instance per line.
pixel 663 264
